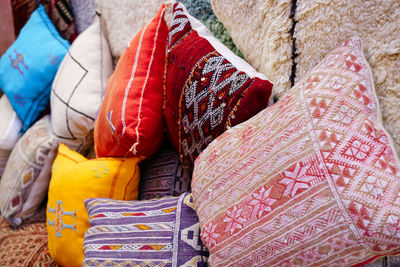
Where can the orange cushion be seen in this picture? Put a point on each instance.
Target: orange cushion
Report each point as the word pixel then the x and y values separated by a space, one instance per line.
pixel 130 118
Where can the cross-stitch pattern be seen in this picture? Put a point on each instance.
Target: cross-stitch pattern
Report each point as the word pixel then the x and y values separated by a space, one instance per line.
pixel 312 180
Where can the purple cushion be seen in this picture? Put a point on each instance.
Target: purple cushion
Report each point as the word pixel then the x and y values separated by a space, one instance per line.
pixel 164 175
pixel 162 232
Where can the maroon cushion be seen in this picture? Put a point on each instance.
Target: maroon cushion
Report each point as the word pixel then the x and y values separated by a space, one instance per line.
pixel 207 88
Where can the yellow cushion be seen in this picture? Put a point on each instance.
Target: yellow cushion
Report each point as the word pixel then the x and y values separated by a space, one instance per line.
pixel 74 179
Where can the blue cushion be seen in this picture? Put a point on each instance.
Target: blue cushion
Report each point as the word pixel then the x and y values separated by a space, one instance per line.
pixel 28 67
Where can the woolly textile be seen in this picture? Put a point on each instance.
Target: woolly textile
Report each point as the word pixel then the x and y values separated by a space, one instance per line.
pixel 312 180
pixel 123 19
pixel 378 25
pixel 207 87
pixel 164 175
pixel 26 245
pixel 261 30
pixel 162 232
pixel 201 10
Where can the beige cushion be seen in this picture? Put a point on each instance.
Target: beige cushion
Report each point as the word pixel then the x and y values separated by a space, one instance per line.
pixel 123 19
pixel 25 180
pixel 260 30
pixel 10 125
pixel 78 88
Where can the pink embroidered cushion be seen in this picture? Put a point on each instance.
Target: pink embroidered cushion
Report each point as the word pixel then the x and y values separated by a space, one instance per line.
pixel 207 87
pixel 130 118
pixel 311 181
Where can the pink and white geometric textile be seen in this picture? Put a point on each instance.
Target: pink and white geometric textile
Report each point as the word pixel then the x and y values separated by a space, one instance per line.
pixel 311 181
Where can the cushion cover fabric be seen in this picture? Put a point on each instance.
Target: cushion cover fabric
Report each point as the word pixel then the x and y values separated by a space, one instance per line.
pixel 60 13
pixel 9 130
pixel 21 11
pixel 83 11
pixel 164 175
pixel 130 118
pixel 312 180
pixel 29 65
pixel 123 19
pixel 25 180
pixel 74 179
pixel 207 87
pixel 78 88
pixel 287 52
pixel 162 232
pixel 25 245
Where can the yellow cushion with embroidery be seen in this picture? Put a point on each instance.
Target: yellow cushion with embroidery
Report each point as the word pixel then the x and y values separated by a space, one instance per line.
pixel 74 179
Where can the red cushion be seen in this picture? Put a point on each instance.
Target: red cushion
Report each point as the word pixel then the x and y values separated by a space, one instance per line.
pixel 130 117
pixel 207 88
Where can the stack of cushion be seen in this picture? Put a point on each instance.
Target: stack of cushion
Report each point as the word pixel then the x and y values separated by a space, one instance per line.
pixel 310 180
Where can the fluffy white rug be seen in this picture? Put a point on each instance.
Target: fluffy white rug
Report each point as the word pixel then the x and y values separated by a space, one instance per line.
pixel 260 28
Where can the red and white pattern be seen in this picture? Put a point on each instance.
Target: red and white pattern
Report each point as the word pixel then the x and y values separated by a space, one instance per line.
pixel 311 180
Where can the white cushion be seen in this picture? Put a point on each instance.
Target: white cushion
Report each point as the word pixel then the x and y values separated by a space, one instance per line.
pixel 78 88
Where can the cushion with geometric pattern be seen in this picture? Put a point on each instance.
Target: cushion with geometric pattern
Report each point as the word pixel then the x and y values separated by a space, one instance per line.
pixel 313 180
pixel 25 180
pixel 164 174
pixel 207 88
pixel 162 232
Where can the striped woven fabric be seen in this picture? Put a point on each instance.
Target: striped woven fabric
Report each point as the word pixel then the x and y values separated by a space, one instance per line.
pixel 162 232
pixel 164 175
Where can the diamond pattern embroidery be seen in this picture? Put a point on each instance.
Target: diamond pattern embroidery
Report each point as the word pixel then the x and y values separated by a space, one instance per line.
pixel 339 195
pixel 219 80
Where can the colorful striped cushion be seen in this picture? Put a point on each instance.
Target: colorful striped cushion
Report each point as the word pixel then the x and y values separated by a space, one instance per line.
pixel 164 175
pixel 130 118
pixel 162 232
